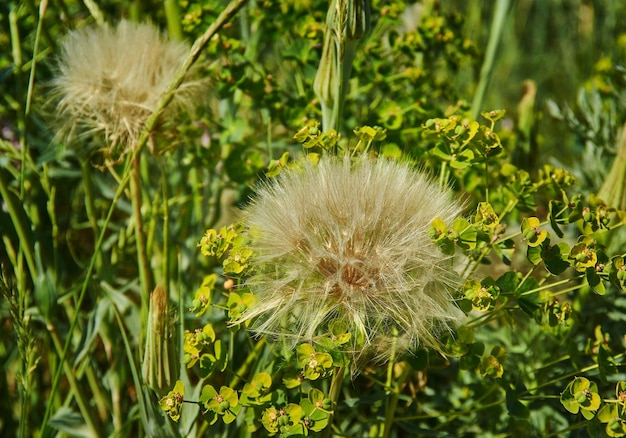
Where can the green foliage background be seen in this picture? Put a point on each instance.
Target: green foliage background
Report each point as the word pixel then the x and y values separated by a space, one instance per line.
pixel 542 355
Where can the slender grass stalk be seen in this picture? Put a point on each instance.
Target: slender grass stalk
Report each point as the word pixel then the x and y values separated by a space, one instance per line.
pixel 25 346
pixel 196 49
pixel 81 399
pixel 497 26
pixel 215 207
pixel 22 228
pixel 99 401
pixel 145 276
pixel 133 368
pixel 16 212
pixel 166 230
pixel 347 23
pixel 196 188
pixel 31 80
pixel 51 192
pixel 90 208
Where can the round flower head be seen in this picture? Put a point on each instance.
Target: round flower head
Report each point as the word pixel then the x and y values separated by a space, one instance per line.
pixel 110 80
pixel 349 240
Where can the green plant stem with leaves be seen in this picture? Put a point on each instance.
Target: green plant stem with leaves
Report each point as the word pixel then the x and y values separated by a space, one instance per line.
pixel 197 47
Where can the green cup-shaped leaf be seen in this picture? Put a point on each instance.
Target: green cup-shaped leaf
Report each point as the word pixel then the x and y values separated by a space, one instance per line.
pixel 173 401
pixel 490 366
pixel 581 394
pixel 531 232
pixel 292 379
pixel 493 115
pixel 270 420
pixel 464 234
pixel 608 412
pixel 569 403
pixel 583 255
pixel 259 384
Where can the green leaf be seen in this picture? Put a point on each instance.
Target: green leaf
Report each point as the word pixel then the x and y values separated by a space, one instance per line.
pixel 583 254
pixel 486 216
pixel 533 254
pixel 581 395
pixel 276 166
pixel 595 281
pixel 493 115
pixel 608 412
pixel 260 384
pixel 569 403
pixel 70 422
pixel 462 159
pixel 464 234
pixel 531 231
pixel 556 258
pixel 292 379
pixel 202 298
pixel 490 366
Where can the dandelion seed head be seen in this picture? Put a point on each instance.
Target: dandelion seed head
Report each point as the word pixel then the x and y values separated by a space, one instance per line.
pixel 110 79
pixel 350 241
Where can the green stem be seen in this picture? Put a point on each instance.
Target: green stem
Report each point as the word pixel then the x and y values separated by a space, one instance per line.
pixel 21 225
pixel 443 175
pixel 550 286
pixel 101 404
pixel 145 277
pixel 215 207
pixel 333 395
pixel 243 369
pixel 392 402
pixel 141 401
pixel 196 189
pixel 497 25
pixel 84 408
pixel 568 375
pixel 166 231
pixel 90 208
pixel 172 16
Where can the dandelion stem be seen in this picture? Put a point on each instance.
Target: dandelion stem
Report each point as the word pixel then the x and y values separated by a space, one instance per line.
pixel 333 394
pixel 392 402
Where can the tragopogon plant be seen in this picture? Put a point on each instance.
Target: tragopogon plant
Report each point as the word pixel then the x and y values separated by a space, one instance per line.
pixel 110 80
pixel 350 240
